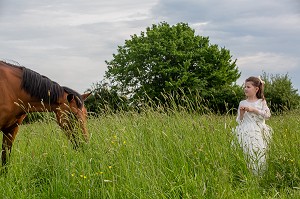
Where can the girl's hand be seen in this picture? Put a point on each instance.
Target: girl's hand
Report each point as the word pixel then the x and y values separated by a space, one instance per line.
pixel 242 112
pixel 249 109
pixel 244 108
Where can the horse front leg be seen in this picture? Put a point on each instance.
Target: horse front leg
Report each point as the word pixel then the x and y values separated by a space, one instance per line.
pixel 9 135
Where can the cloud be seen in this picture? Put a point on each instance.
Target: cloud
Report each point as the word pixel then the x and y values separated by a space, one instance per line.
pixel 261 35
pixel 64 40
pixel 70 40
pixel 268 62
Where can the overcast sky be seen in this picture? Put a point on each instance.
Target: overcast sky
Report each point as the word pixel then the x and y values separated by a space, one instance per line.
pixel 69 40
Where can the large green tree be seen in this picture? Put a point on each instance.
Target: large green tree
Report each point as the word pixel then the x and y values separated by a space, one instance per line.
pixel 170 58
pixel 280 93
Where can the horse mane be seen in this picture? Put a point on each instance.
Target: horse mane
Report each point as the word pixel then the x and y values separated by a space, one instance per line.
pixel 43 88
pixel 11 63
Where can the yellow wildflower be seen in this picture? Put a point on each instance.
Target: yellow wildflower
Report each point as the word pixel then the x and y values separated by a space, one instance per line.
pixel 83 176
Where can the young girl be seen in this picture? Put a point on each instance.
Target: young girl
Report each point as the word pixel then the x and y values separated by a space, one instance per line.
pixel 252 132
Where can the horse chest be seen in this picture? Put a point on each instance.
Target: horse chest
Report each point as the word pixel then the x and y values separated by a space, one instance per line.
pixel 7 107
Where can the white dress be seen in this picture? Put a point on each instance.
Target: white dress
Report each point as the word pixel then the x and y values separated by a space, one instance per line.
pixel 253 134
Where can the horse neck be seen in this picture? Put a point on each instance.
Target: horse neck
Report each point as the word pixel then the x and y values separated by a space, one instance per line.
pixel 29 104
pixel 42 107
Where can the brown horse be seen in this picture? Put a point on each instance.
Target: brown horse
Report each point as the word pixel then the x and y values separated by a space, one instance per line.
pixel 24 91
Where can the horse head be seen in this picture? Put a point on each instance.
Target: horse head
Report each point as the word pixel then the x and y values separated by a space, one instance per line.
pixel 72 115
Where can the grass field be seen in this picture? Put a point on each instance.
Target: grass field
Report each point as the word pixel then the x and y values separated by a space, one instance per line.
pixel 151 155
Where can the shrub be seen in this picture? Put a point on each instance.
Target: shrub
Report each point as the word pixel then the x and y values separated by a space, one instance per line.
pixel 280 93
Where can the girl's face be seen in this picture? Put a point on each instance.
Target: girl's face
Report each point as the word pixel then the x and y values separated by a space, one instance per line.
pixel 250 90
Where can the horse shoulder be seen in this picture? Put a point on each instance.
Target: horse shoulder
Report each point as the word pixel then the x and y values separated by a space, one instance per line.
pixel 9 95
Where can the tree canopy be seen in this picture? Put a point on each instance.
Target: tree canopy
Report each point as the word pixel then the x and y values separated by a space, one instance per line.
pixel 168 58
pixel 280 93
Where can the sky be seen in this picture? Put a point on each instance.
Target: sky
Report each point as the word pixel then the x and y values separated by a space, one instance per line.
pixel 69 41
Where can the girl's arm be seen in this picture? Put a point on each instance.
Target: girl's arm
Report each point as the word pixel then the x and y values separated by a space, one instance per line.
pixel 264 112
pixel 241 112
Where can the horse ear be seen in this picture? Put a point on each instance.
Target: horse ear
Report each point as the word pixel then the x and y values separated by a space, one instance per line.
pixel 70 97
pixel 86 95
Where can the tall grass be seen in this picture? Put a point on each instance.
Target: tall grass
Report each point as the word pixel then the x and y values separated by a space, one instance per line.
pixel 151 154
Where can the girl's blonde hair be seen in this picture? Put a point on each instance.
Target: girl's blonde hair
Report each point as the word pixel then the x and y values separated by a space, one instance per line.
pixel 257 82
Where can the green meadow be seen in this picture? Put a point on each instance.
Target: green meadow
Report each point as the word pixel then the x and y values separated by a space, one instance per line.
pixel 151 154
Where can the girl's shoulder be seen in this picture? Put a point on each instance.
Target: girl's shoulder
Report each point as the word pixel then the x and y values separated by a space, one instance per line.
pixel 262 101
pixel 243 102
pixel 257 102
